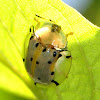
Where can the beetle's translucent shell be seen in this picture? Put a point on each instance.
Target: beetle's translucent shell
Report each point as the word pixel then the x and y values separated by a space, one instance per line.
pixel 47 55
pixel 50 33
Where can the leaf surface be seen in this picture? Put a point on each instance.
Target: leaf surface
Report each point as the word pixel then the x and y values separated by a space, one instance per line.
pixel 16 17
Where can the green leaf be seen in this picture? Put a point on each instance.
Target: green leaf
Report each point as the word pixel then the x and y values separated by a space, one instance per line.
pixel 16 17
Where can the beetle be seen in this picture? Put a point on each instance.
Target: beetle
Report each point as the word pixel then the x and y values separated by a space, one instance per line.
pixel 47 60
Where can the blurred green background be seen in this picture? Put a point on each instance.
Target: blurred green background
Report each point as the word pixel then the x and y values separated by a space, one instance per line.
pixel 90 9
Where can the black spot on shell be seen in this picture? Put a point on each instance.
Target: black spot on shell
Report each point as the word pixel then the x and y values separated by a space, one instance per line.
pixel 31 59
pixel 31 37
pixel 23 60
pixel 55 82
pixel 38 78
pixel 30 30
pixel 68 56
pixel 54 54
pixel 36 44
pixel 49 62
pixel 37 62
pixel 52 73
pixel 44 50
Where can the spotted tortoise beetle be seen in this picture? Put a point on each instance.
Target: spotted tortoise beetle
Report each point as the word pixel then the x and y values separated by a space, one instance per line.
pixel 47 60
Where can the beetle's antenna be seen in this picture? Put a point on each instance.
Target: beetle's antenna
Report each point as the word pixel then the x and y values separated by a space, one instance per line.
pixel 71 33
pixel 38 16
pixel 43 18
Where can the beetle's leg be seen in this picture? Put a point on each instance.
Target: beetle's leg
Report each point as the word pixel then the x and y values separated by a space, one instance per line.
pixel 71 33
